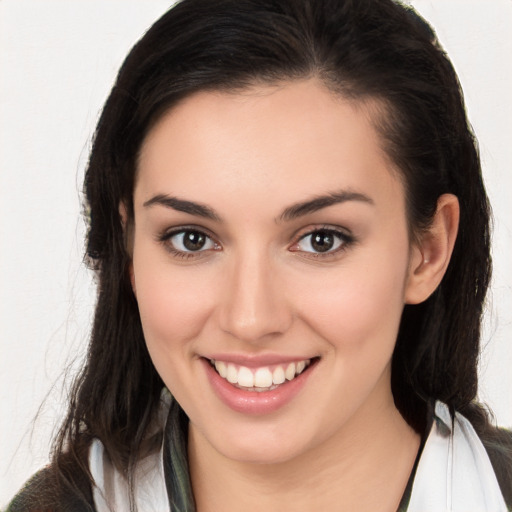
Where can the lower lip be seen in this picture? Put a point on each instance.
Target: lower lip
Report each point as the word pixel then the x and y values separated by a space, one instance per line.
pixel 256 402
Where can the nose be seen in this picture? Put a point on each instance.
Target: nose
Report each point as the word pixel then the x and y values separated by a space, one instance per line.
pixel 254 307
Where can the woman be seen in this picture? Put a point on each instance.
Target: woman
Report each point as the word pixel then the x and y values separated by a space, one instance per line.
pixel 290 233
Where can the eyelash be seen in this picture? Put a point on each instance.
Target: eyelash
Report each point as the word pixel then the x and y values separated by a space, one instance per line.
pixel 165 239
pixel 345 240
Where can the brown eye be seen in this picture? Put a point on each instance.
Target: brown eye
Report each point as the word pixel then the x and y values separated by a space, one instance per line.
pixel 193 240
pixel 323 241
pixel 190 241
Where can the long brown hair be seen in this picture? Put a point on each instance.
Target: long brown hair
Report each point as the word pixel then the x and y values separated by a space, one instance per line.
pixel 360 49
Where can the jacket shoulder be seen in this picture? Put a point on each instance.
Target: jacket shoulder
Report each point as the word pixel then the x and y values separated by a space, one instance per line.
pixel 499 450
pixel 44 493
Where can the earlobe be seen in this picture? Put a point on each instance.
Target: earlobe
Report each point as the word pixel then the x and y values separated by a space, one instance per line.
pixel 431 254
pixel 123 215
pixel 128 241
pixel 132 278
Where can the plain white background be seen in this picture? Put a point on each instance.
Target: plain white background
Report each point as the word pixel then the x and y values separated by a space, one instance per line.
pixel 58 60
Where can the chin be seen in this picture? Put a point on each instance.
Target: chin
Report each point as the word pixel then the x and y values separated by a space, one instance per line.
pixel 263 455
pixel 258 444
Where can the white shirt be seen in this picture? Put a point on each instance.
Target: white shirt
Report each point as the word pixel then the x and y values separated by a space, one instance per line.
pixel 454 474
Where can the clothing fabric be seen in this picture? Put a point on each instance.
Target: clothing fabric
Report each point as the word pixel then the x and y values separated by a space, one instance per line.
pixel 453 474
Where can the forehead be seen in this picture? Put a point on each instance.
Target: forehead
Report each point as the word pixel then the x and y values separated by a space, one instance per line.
pixel 295 138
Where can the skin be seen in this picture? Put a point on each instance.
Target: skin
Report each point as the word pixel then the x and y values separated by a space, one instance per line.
pixel 260 288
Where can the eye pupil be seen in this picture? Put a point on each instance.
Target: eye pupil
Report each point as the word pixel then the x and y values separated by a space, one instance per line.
pixel 322 241
pixel 193 240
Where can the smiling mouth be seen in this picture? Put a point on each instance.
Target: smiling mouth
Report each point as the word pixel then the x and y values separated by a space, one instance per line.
pixel 265 378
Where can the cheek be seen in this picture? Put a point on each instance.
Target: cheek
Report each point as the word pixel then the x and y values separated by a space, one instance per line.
pixel 174 303
pixel 358 305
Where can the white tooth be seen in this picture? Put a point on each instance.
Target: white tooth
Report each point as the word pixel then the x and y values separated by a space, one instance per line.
pixel 300 367
pixel 221 368
pixel 245 377
pixel 290 371
pixel 232 374
pixel 278 376
pixel 263 378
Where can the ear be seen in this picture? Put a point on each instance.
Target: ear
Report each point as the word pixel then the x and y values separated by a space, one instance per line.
pixel 128 241
pixel 431 253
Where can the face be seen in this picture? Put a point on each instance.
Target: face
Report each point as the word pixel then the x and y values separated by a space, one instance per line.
pixel 271 263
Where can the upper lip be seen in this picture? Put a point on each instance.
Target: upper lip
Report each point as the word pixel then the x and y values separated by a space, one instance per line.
pixel 256 360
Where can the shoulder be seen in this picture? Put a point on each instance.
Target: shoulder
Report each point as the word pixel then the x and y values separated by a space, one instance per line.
pixel 498 444
pixel 45 492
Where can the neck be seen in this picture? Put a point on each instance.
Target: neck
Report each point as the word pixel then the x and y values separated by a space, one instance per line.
pixel 364 467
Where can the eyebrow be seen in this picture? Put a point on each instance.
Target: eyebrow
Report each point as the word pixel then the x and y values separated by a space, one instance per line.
pixel 181 205
pixel 290 213
pixel 318 203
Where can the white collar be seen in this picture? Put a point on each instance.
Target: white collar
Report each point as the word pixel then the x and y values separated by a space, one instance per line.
pixel 454 474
